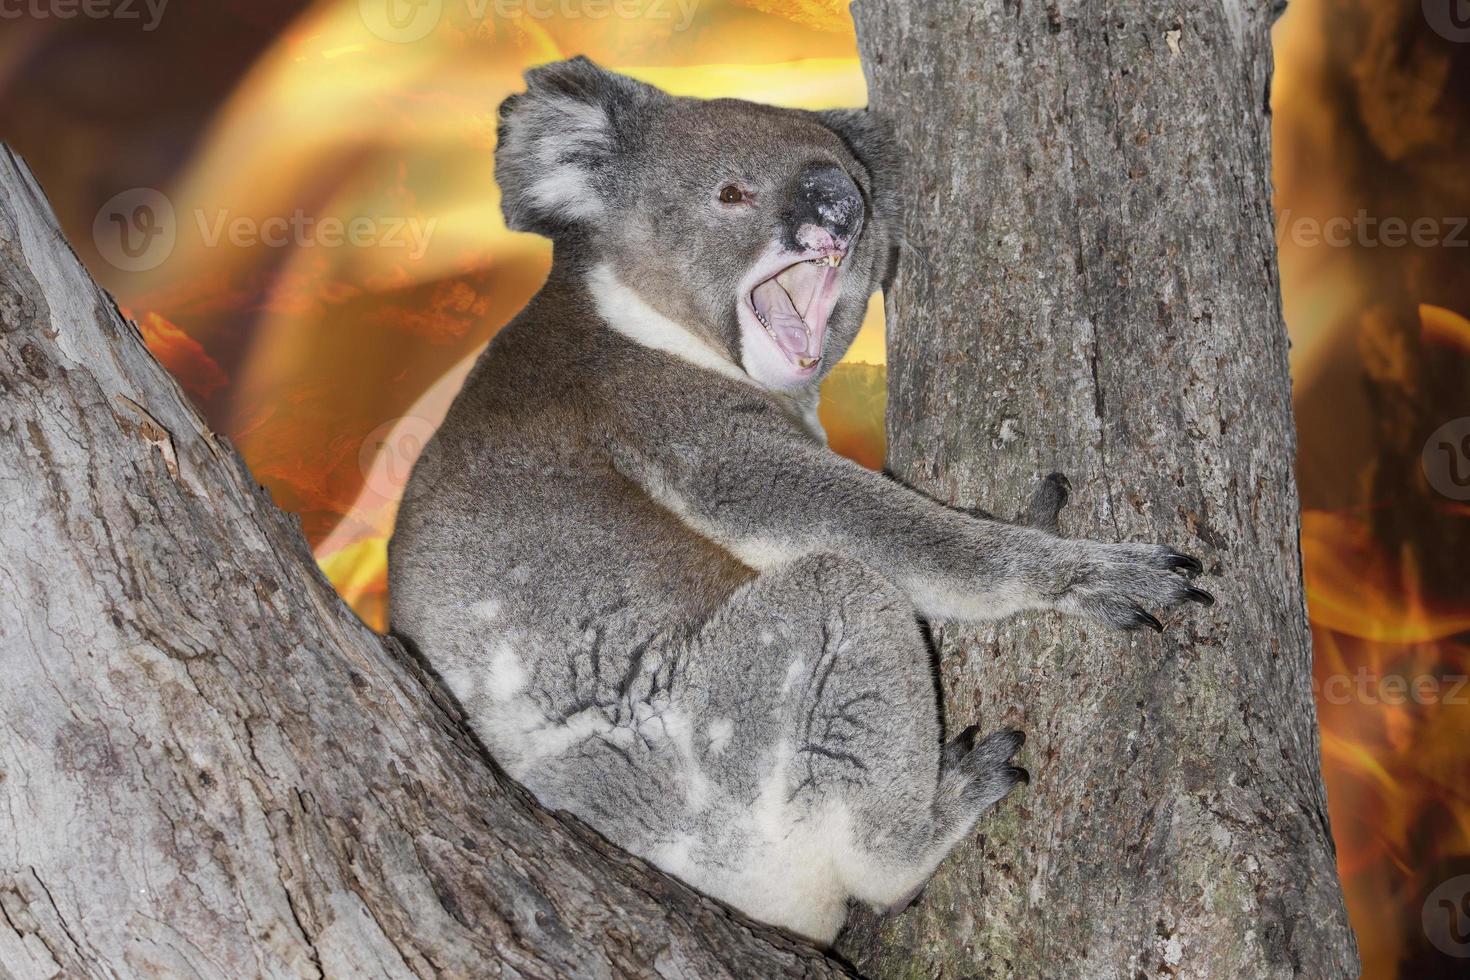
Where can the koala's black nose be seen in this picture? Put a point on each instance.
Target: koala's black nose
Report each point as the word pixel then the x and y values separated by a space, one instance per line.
pixel 823 199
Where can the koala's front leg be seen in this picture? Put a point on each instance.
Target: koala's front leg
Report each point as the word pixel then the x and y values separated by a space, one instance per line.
pixel 1015 567
pixel 1115 583
pixel 771 499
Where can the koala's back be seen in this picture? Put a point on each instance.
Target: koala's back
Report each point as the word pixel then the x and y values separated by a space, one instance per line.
pixel 519 498
pixel 538 581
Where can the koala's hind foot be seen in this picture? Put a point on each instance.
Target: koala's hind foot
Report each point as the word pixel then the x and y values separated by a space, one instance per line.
pixel 985 766
pixel 973 777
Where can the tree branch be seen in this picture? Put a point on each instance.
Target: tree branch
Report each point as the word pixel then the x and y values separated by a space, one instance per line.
pixel 208 765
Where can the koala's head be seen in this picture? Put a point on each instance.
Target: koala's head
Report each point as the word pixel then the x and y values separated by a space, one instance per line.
pixel 763 230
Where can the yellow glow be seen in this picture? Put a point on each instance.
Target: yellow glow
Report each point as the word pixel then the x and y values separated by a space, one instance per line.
pixel 337 122
pixel 1351 588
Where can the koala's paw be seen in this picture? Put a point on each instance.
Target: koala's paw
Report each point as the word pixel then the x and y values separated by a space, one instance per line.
pixel 1118 584
pixel 986 764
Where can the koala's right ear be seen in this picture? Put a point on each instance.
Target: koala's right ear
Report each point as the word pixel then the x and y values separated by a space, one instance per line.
pixel 557 142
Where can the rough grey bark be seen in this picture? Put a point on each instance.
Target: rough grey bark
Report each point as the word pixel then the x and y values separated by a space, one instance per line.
pixel 208 766
pixel 1089 285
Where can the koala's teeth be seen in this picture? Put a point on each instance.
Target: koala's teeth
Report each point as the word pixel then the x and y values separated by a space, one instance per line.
pixel 806 362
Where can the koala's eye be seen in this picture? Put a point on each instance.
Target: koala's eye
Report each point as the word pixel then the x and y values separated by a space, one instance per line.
pixel 730 194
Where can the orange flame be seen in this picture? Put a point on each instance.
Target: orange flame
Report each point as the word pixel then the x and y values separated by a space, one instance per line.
pixel 1444 327
pixel 184 356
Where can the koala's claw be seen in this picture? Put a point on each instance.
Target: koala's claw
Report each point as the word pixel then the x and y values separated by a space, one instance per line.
pixel 959 747
pixel 1142 617
pixel 1124 584
pixel 1047 502
pixel 1187 564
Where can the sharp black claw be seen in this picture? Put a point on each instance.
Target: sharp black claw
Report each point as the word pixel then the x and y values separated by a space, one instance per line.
pixel 960 746
pixel 1199 595
pixel 1145 619
pixel 1184 563
pixel 1018 735
pixel 1047 502
pixel 1020 775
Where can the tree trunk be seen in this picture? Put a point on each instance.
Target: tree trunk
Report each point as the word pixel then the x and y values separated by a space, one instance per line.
pixel 208 766
pixel 1089 285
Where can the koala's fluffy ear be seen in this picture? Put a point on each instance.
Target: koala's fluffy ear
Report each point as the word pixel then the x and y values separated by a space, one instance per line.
pixel 557 142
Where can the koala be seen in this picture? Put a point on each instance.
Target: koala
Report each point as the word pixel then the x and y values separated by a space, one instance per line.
pixel 663 603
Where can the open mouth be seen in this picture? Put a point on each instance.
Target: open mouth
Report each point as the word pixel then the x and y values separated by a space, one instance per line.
pixel 793 307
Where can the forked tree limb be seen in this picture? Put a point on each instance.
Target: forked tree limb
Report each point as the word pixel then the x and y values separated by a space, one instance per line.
pixel 209 767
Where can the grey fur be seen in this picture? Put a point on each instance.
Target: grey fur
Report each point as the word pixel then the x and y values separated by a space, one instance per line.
pixel 664 603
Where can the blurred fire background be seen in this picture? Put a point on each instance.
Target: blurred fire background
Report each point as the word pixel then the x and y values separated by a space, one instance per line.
pixel 171 138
